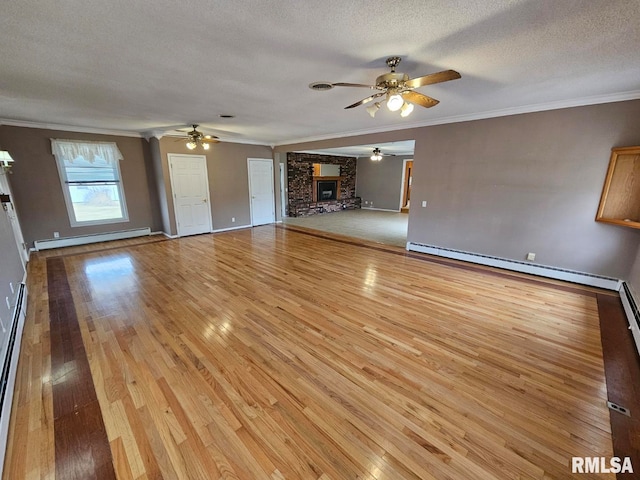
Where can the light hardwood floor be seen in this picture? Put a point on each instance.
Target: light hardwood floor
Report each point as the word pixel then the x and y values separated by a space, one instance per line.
pixel 268 353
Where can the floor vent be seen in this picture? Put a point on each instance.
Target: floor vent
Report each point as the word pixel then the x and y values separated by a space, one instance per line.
pixel 617 408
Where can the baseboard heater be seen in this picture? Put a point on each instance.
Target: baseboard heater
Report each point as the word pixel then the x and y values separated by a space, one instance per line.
pixel 631 310
pixel 515 265
pixel 10 368
pixel 86 239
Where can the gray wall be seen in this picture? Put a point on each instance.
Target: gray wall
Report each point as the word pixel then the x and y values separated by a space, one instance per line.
pixel 157 173
pixel 380 182
pixel 524 183
pixel 39 199
pixel 228 180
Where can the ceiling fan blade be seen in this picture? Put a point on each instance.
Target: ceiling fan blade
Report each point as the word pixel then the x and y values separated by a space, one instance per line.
pixel 420 99
pixel 209 137
pixel 432 78
pixel 210 140
pixel 343 84
pixel 366 100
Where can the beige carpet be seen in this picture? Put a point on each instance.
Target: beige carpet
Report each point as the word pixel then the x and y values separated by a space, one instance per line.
pixel 389 228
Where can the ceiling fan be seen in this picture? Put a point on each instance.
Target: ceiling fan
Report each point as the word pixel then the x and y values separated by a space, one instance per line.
pixel 397 87
pixel 377 155
pixel 195 138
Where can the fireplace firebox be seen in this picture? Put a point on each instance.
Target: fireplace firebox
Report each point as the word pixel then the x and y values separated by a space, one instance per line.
pixel 327 190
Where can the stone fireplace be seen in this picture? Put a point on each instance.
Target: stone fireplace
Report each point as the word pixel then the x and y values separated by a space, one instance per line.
pixel 320 184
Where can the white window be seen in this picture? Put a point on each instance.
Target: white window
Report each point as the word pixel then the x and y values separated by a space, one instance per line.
pixel 91 182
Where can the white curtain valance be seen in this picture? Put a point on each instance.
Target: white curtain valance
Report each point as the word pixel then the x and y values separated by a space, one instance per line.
pixel 70 151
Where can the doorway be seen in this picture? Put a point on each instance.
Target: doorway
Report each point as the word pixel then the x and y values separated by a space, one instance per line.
pixel 261 191
pixel 190 187
pixel 13 220
pixel 406 186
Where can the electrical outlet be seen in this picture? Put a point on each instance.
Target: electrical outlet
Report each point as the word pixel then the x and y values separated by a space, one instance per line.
pixel 233 219
pixel 424 203
pixel 531 257
pixel 366 202
pixel 56 234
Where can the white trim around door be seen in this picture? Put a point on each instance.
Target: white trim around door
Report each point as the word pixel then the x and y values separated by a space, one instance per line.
pixel 283 190
pixel 262 202
pixel 190 193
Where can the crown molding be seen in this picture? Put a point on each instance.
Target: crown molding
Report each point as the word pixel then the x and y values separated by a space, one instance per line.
pixel 538 107
pixel 147 135
pixel 68 128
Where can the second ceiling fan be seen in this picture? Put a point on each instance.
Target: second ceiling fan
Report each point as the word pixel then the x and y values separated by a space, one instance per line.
pixel 195 138
pixel 377 155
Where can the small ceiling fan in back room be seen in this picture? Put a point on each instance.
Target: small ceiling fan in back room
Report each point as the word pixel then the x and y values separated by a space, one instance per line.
pixel 377 155
pixel 195 138
pixel 397 87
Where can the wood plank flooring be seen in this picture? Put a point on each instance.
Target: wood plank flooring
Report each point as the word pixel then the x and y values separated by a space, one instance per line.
pixel 267 353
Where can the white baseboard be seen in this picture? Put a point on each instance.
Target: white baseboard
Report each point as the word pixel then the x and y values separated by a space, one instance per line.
pixel 87 239
pixel 380 209
pixel 10 369
pixel 231 228
pixel 169 236
pixel 631 310
pixel 523 267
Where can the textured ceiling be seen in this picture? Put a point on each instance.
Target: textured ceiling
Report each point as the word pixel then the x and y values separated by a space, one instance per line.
pixel 152 65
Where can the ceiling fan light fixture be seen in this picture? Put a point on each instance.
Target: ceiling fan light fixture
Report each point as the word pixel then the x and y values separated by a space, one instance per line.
pixel 206 146
pixel 191 145
pixel 377 155
pixel 373 109
pixel 395 87
pixel 395 102
pixel 406 109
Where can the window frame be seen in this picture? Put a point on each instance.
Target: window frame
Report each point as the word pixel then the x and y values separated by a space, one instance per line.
pixel 65 184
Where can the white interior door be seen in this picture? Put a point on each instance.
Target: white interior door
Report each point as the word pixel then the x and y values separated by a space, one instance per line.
pixel 190 186
pixel 263 209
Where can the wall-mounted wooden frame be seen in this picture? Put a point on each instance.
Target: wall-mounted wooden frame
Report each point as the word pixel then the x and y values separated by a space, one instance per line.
pixel 620 200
